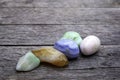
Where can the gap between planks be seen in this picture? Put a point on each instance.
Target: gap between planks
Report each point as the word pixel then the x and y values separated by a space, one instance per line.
pixel 46 45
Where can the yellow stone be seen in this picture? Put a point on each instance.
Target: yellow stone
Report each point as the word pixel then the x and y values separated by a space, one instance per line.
pixel 51 55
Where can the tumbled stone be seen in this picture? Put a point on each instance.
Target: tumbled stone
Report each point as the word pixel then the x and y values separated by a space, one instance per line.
pixel 27 62
pixel 90 45
pixel 73 36
pixel 52 56
pixel 68 47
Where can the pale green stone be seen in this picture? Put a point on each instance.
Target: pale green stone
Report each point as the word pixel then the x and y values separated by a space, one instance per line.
pixel 27 62
pixel 73 36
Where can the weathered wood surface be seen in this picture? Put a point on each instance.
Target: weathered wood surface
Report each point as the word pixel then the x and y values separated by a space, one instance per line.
pixel 31 24
pixel 61 3
pixel 59 16
pixel 48 34
pixel 102 66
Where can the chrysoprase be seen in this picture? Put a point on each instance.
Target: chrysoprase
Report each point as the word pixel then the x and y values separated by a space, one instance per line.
pixel 72 35
pixel 90 45
pixel 27 62
pixel 68 47
pixel 52 56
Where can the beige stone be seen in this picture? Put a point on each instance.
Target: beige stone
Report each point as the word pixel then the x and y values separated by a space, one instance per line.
pixel 52 56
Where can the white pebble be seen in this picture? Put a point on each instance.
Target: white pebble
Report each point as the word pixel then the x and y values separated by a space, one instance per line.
pixel 90 45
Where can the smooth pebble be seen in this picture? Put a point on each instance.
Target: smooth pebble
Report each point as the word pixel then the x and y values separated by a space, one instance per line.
pixel 68 47
pixel 72 35
pixel 27 62
pixel 90 45
pixel 52 56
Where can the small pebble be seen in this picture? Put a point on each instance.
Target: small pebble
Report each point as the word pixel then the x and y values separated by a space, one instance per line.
pixel 90 45
pixel 68 47
pixel 27 62
pixel 73 36
pixel 52 56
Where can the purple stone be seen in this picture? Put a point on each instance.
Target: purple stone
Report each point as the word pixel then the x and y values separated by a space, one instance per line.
pixel 68 47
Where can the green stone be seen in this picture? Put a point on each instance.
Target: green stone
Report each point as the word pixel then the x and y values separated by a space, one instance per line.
pixel 73 36
pixel 27 62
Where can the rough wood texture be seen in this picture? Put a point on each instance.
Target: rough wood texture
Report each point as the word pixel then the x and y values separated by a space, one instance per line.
pixel 59 16
pixel 31 24
pixel 102 66
pixel 61 3
pixel 48 34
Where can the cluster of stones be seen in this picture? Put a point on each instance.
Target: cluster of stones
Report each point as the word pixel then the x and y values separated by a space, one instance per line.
pixel 68 47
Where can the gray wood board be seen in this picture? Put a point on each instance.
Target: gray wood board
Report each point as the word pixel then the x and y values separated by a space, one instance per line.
pixel 31 24
pixel 49 34
pixel 61 3
pixel 59 16
pixel 102 66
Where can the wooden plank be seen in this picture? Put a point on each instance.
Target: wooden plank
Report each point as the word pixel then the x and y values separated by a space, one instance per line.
pixel 61 3
pixel 108 56
pixel 49 34
pixel 102 66
pixel 51 74
pixel 59 16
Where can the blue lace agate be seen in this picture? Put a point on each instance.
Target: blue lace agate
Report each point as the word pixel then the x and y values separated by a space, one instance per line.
pixel 68 47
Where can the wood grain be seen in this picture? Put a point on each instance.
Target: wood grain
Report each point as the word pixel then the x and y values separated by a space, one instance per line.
pixel 51 74
pixel 49 34
pixel 103 65
pixel 32 24
pixel 61 3
pixel 59 16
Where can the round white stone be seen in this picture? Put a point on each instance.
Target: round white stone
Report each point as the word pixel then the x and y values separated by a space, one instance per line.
pixel 90 45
